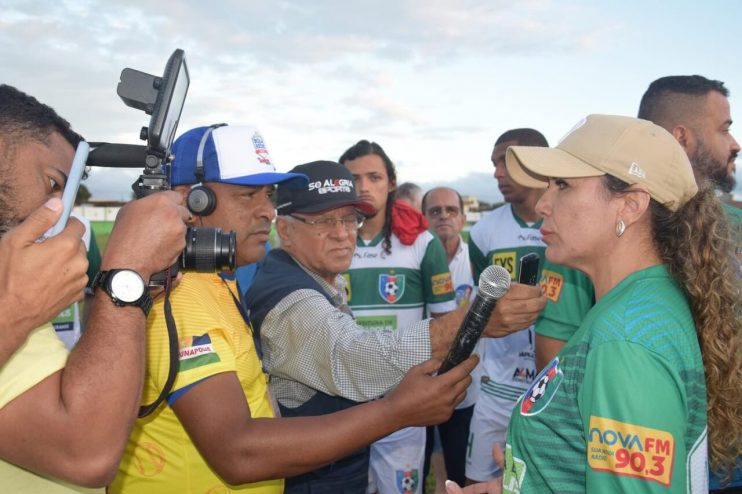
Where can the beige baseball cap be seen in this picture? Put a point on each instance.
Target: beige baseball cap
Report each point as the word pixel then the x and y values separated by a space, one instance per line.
pixel 633 150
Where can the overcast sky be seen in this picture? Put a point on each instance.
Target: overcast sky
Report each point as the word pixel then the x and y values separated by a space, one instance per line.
pixel 433 81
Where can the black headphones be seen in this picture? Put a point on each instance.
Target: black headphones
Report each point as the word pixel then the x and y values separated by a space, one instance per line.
pixel 201 199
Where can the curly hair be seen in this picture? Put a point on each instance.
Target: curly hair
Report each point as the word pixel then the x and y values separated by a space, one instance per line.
pixel 696 244
pixel 365 148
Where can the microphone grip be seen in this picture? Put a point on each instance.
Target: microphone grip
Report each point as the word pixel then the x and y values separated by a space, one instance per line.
pixel 118 155
pixel 469 332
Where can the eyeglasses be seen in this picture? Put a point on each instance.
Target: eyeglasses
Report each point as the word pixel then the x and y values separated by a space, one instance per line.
pixel 327 224
pixel 438 210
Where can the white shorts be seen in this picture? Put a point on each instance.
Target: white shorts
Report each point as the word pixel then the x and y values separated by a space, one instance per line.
pixel 488 427
pixel 397 461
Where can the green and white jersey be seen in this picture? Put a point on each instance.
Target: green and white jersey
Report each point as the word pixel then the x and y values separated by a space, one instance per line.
pixel 622 408
pixel 560 320
pixel 508 364
pixel 391 291
pixel 502 238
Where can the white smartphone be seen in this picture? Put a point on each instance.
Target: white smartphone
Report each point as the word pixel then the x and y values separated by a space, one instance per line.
pixel 70 188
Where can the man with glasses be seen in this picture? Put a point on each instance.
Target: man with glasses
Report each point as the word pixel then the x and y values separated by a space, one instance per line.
pixel 320 360
pixel 216 432
pixel 444 209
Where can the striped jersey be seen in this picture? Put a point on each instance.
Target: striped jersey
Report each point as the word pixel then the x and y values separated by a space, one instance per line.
pixel 622 408
pixel 391 291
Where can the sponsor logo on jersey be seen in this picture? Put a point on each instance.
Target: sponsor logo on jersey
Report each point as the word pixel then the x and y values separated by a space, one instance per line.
pixel 630 450
pixel 524 374
pixel 391 287
pixel 441 283
pixel 348 290
pixel 514 472
pixel 543 389
pixel 331 185
pixel 388 322
pixel 407 480
pixel 506 260
pixel 551 283
pixel 197 351
pixel 531 237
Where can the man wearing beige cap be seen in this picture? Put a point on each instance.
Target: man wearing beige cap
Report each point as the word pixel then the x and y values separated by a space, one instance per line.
pixel 623 406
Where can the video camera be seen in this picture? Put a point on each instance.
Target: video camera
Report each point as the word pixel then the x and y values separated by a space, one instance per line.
pixel 207 249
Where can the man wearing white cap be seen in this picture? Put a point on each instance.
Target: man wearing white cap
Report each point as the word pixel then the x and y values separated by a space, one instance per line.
pixel 213 434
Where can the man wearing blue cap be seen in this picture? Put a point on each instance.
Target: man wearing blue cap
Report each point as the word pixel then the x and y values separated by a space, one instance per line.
pixel 214 434
pixel 320 359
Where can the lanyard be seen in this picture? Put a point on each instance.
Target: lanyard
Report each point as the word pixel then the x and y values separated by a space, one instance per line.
pixel 246 318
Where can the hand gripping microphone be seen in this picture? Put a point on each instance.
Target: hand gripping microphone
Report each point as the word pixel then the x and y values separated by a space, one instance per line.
pixel 494 282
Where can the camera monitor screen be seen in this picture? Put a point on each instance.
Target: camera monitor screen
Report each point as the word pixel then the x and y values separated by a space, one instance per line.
pixel 169 104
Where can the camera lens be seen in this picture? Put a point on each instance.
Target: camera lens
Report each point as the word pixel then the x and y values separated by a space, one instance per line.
pixel 208 250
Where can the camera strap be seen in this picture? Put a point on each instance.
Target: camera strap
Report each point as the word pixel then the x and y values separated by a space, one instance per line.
pixel 172 337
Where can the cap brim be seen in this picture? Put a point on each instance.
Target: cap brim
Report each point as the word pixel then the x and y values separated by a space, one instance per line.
pixel 531 166
pixel 259 179
pixel 365 208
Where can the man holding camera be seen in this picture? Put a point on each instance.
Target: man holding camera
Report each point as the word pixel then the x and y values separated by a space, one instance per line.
pixel 65 417
pixel 214 433
pixel 319 358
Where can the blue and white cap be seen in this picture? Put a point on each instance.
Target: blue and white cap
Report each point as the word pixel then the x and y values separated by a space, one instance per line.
pixel 231 154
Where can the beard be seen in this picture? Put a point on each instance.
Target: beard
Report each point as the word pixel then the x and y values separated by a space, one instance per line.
pixel 707 166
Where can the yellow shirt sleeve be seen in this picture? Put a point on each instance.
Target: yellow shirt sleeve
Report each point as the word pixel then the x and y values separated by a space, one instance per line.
pixel 40 356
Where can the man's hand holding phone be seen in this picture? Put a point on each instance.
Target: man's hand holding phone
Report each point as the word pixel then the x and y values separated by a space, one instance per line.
pixel 39 279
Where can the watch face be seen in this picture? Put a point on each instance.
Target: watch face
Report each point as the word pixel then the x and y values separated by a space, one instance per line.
pixel 127 286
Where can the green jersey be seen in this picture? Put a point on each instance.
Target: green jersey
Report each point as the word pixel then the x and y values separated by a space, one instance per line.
pixel 622 408
pixel 392 291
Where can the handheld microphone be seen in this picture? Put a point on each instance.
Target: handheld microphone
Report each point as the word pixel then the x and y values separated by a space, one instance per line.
pixel 494 282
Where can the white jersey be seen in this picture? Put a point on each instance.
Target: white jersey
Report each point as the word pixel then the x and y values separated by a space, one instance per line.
pixel 463 287
pixel 508 365
pixel 387 292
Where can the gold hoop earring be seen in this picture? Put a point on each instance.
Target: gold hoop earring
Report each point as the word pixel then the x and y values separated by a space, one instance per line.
pixel 620 227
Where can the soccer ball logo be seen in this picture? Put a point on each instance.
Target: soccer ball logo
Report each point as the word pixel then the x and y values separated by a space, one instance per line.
pixel 391 287
pixel 539 389
pixel 408 484
pixel 407 480
pixel 540 394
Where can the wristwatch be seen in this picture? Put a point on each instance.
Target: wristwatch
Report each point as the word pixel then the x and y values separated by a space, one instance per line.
pixel 125 287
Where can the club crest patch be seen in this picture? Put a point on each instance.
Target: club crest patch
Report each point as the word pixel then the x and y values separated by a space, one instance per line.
pixel 391 287
pixel 543 389
pixel 407 481
pixel 463 294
